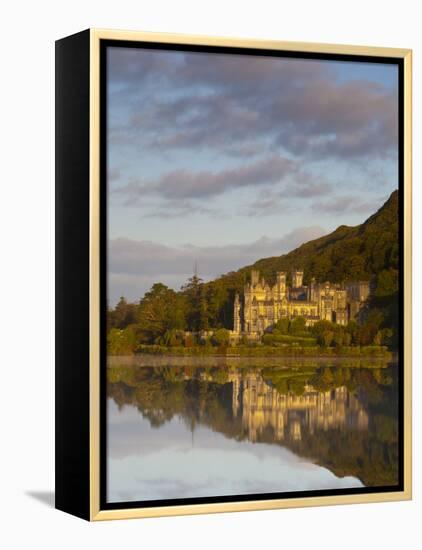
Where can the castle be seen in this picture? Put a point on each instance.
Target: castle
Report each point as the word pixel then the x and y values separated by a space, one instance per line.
pixel 262 305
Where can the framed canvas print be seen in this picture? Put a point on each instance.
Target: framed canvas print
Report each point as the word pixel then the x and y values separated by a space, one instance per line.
pixel 233 274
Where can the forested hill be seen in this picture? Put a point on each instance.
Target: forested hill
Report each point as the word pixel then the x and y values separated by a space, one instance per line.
pixel 369 251
pixel 348 253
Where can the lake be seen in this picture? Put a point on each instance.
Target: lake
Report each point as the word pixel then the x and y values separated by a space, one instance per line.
pixel 184 427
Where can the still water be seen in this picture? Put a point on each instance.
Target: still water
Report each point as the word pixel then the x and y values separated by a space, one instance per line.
pixel 190 427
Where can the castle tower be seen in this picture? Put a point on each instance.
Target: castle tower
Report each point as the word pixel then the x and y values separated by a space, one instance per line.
pixel 326 312
pixel 281 285
pixel 297 278
pixel 254 277
pixel 237 326
pixel 311 290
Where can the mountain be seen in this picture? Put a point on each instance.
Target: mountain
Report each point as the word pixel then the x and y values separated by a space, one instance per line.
pixel 369 251
pixel 348 253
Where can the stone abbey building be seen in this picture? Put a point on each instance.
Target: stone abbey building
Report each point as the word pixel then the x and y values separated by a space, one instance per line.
pixel 262 305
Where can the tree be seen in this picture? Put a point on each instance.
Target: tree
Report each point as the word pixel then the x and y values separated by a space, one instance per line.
pixel 322 326
pixel 172 338
pixel 124 314
pixel 203 309
pixel 352 329
pixel 370 328
pixel 217 303
pixel 387 283
pixel 354 268
pixel 197 307
pixel 347 339
pixel 338 338
pixel 160 310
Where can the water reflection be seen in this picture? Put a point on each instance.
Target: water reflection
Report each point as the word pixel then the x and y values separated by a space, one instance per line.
pixel 262 407
pixel 183 430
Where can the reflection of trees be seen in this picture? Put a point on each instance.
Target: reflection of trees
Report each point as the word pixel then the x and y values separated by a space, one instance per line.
pixel 361 441
pixel 162 393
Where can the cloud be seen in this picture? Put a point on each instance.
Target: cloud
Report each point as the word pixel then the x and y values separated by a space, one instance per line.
pixel 186 184
pixel 177 208
pixel 184 190
pixel 267 204
pixel 132 67
pixel 135 265
pixel 113 175
pixel 345 120
pixel 278 201
pixel 348 204
pixel 236 104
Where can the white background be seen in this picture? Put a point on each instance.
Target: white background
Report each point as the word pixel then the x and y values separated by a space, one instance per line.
pixel 27 271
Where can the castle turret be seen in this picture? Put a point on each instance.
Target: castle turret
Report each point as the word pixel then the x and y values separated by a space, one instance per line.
pixel 281 284
pixel 254 277
pixel 236 315
pixel 297 278
pixel 311 290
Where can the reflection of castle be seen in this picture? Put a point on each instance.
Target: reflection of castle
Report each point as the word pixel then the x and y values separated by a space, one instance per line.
pixel 263 305
pixel 262 406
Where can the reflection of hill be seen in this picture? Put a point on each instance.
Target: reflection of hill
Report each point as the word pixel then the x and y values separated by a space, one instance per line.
pixel 344 419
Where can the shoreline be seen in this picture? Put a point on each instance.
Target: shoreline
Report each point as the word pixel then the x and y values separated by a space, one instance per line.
pixel 145 360
pixel 368 352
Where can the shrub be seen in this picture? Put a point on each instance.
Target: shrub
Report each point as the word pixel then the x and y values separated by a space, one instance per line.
pixel 326 338
pixel 221 337
pixel 282 326
pixel 297 325
pixel 121 341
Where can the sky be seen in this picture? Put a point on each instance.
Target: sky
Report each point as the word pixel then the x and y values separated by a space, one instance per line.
pixel 173 462
pixel 221 160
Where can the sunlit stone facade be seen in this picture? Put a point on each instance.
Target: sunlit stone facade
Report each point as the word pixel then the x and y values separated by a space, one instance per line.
pixel 262 305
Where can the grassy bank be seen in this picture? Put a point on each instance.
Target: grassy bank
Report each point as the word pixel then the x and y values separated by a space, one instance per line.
pixel 267 351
